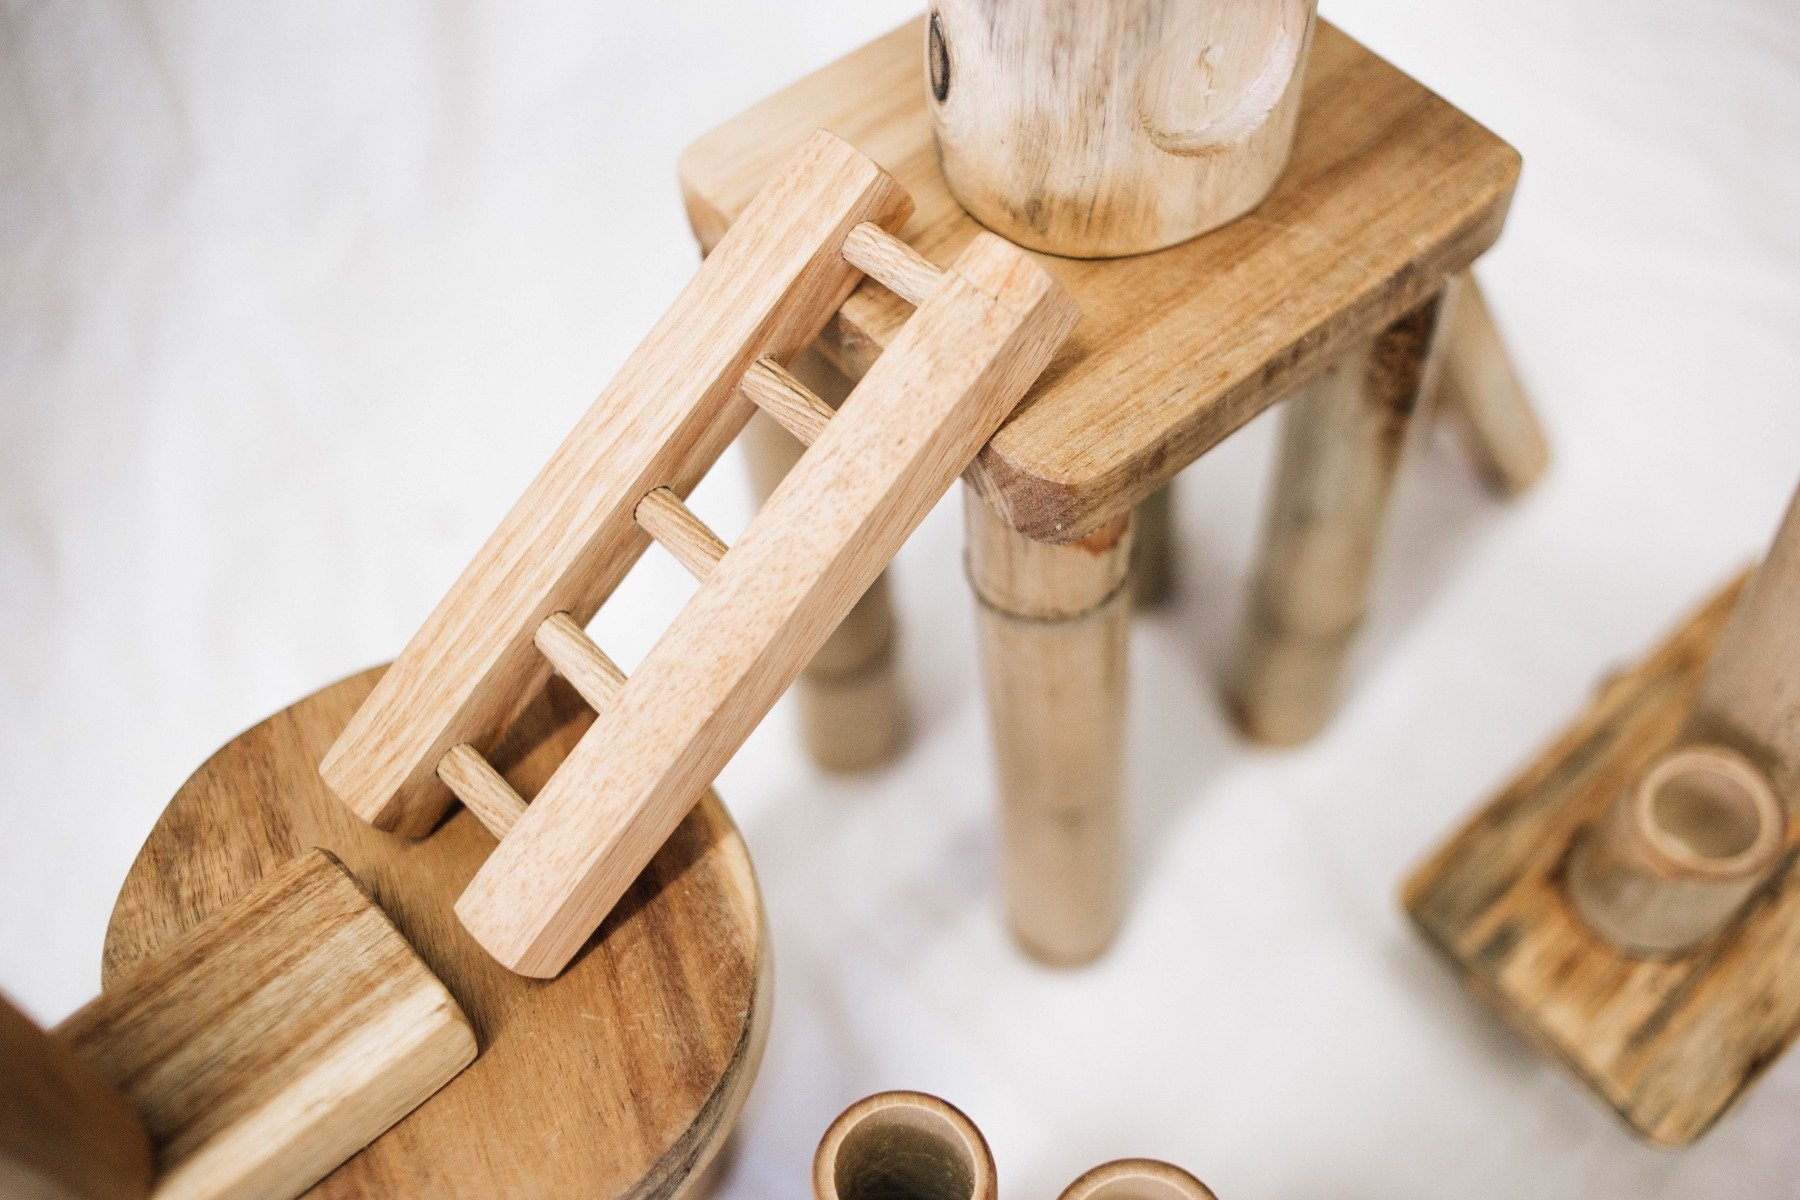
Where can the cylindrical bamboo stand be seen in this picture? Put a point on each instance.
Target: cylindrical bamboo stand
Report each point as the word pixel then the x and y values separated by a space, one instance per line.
pixel 852 708
pixel 1137 1179
pixel 903 1146
pixel 1095 128
pixel 1053 622
pixel 1678 854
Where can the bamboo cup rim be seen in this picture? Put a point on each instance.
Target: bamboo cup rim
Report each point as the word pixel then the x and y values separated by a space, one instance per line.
pixel 1137 1179
pixel 1706 812
pixel 909 1144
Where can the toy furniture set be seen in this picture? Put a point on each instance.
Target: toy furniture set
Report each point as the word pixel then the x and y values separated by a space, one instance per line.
pixel 475 923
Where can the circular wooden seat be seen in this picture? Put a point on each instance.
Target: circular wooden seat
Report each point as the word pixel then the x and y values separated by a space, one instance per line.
pixel 620 1078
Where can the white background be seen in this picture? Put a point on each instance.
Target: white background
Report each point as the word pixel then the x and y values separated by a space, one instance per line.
pixel 295 296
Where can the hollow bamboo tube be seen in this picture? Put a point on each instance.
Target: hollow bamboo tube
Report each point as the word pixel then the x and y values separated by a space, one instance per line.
pixel 1093 128
pixel 1137 1179
pixel 903 1146
pixel 1678 854
pixel 1481 393
pixel 852 710
pixel 1053 623
pixel 1341 438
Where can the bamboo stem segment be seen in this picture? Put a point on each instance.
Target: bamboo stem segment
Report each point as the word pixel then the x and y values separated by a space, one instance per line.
pixel 1678 854
pixel 1482 393
pixel 1137 1179
pixel 903 1146
pixel 1053 622
pixel 1341 439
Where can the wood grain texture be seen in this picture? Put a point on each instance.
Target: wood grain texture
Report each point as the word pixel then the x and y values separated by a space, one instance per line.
pixel 852 704
pixel 276 1038
pixel 830 528
pixel 1389 192
pixel 1053 622
pixel 903 1146
pixel 65 1132
pixel 1341 440
pixel 662 421
pixel 1093 128
pixel 673 990
pixel 1670 1044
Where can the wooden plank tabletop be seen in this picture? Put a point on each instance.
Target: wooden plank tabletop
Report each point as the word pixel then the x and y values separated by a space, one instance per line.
pixel 1390 191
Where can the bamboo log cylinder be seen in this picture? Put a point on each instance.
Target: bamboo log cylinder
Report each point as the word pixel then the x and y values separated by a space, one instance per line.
pixel 852 707
pixel 1677 855
pixel 1137 1179
pixel 1341 439
pixel 1482 394
pixel 1095 128
pixel 65 1132
pixel 1053 621
pixel 903 1146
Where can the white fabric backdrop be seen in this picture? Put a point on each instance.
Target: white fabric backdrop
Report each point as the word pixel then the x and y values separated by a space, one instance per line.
pixel 294 297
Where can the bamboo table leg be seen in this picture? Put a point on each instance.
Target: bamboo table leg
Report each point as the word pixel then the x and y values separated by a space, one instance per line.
pixel 1053 621
pixel 1481 392
pixel 1153 548
pixel 852 710
pixel 1340 443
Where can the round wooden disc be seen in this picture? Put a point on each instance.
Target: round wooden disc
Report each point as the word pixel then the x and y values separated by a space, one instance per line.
pixel 618 1079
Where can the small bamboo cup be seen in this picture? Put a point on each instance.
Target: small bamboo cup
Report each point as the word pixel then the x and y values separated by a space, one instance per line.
pixel 1680 851
pixel 903 1146
pixel 1137 1179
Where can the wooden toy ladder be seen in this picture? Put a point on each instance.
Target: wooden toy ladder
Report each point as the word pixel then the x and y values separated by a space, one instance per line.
pixel 982 331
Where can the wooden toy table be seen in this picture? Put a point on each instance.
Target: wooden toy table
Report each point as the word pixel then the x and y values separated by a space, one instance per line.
pixel 1335 282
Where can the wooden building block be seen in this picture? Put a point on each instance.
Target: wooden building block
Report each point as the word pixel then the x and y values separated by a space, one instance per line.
pixel 1670 1043
pixel 768 603
pixel 65 1133
pixel 620 1081
pixel 663 420
pixel 275 1040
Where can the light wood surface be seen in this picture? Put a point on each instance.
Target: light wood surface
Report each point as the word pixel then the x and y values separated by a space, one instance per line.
pixel 1671 1044
pixel 903 1146
pixel 1751 698
pixel 275 1039
pixel 1390 191
pixel 673 990
pixel 1137 1179
pixel 851 701
pixel 830 528
pixel 1053 622
pixel 1341 439
pixel 1679 851
pixel 1093 128
pixel 662 421
pixel 1481 393
pixel 65 1132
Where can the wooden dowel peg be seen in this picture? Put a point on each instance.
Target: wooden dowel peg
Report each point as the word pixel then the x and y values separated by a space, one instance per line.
pixel 903 1146
pixel 1678 854
pixel 1137 1179
pixel 65 1132
pixel 1053 622
pixel 1341 438
pixel 768 384
pixel 892 263
pixel 576 658
pixel 1480 391
pixel 672 523
pixel 472 779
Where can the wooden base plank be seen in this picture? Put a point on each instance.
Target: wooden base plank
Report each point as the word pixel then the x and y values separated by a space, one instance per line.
pixel 1670 1044
pixel 620 1079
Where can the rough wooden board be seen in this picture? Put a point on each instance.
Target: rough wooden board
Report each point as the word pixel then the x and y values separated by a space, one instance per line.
pixel 1389 192
pixel 1670 1045
pixel 275 1039
pixel 618 1080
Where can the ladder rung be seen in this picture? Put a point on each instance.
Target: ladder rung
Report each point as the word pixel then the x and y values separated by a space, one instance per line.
pixel 904 271
pixel 481 788
pixel 665 518
pixel 785 398
pixel 577 659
